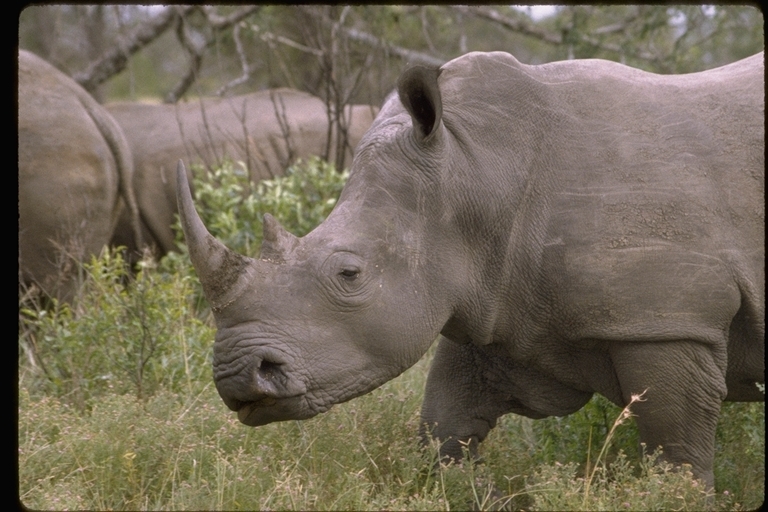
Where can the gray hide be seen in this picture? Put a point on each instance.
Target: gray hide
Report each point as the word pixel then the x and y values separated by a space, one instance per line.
pixel 267 130
pixel 573 228
pixel 75 177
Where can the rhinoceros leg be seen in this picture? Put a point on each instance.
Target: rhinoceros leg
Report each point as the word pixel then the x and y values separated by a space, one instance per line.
pixel 450 410
pixel 470 387
pixel 685 386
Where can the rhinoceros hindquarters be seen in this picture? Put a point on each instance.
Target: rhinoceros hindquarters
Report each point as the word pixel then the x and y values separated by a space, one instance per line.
pixel 75 176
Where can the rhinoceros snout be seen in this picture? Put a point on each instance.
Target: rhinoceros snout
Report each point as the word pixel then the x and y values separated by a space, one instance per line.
pixel 261 384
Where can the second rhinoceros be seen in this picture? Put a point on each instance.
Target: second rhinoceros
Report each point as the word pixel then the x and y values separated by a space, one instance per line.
pixel 572 228
pixel 75 178
pixel 266 130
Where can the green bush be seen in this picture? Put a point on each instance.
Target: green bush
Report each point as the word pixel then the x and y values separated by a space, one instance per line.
pixel 117 337
pixel 740 453
pixel 138 333
pixel 232 207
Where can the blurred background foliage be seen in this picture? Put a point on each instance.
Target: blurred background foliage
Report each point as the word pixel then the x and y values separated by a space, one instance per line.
pixel 353 54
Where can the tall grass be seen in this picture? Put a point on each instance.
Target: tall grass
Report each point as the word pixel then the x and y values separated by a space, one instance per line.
pixel 117 410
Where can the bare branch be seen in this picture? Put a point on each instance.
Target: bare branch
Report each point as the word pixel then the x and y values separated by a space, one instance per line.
pixel 404 53
pixel 270 37
pixel 115 60
pixel 614 27
pixel 285 130
pixel 523 27
pixel 217 24
pixel 223 22
pixel 513 24
pixel 274 53
pixel 639 54
pixel 196 58
pixel 247 68
pixel 371 40
pixel 424 30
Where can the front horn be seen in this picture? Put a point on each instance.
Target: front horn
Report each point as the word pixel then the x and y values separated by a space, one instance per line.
pixel 222 272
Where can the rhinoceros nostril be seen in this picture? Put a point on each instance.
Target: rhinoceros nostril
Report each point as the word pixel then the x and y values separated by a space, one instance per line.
pixel 259 381
pixel 269 370
pixel 268 379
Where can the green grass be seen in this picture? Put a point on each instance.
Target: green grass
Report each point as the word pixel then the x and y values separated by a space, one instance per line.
pixel 117 410
pixel 176 451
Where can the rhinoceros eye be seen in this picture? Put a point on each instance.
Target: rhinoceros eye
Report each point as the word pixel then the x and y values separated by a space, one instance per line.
pixel 348 282
pixel 349 274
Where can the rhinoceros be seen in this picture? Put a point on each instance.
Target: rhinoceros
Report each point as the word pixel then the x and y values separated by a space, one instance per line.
pixel 75 177
pixel 571 228
pixel 267 130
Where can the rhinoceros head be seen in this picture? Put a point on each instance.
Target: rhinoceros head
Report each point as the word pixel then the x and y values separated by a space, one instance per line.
pixel 324 318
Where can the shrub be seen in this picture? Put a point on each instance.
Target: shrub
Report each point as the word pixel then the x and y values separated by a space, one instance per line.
pixel 658 486
pixel 117 338
pixel 232 207
pixel 543 463
pixel 138 333
pixel 740 454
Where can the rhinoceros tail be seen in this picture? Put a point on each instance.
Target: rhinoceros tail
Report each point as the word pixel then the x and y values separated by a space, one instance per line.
pixel 118 145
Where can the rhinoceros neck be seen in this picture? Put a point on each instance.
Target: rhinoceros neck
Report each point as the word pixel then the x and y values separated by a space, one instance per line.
pixel 502 262
pixel 462 216
pixel 499 217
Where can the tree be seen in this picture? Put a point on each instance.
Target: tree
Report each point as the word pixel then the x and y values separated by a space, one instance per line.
pixel 354 53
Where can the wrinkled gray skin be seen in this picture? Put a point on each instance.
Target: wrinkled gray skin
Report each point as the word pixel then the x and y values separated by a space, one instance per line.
pixel 268 130
pixel 573 228
pixel 75 177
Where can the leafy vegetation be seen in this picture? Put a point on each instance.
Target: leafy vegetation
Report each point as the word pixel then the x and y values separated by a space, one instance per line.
pixel 117 409
pixel 232 208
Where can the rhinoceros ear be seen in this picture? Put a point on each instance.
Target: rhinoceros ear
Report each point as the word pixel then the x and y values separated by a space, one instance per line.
pixel 277 241
pixel 420 95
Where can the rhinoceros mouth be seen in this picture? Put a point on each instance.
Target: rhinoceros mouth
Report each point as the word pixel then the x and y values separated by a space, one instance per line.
pixel 246 409
pixel 269 409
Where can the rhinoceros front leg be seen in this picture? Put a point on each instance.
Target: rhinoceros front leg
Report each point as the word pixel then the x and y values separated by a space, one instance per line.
pixel 685 383
pixel 470 387
pixel 452 412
